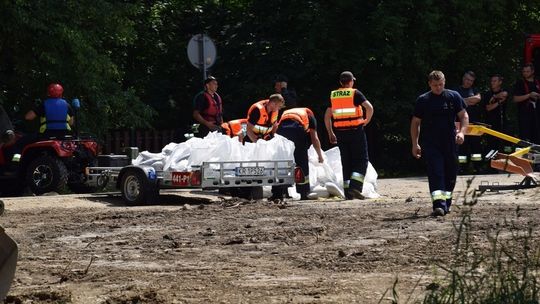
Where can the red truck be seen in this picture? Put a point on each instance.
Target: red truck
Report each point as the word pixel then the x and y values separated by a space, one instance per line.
pixel 532 50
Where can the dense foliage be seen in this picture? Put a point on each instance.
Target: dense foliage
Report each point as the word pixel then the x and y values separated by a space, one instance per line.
pixel 127 62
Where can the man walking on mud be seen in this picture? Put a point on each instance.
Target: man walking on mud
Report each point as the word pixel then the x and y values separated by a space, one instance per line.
pixel 434 137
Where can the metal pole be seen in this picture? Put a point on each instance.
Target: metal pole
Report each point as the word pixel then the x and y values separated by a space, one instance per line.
pixel 202 62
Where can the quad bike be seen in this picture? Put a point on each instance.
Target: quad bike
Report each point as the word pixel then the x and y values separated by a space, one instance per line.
pixel 46 164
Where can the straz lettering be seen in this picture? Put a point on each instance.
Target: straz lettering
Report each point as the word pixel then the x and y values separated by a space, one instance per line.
pixel 341 93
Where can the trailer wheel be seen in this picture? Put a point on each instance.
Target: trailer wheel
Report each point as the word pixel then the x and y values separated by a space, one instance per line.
pixel 137 189
pixel 133 187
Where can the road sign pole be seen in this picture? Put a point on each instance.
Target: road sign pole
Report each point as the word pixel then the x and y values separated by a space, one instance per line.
pixel 202 60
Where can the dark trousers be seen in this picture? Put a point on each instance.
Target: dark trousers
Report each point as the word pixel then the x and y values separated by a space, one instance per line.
pixel 354 154
pixel 494 143
pixel 528 123
pixel 294 132
pixel 441 163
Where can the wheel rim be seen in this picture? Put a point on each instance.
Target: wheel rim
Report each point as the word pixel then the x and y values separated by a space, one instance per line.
pixel 132 188
pixel 42 176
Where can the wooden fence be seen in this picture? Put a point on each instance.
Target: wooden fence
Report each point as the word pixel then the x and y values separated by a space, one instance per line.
pixel 146 140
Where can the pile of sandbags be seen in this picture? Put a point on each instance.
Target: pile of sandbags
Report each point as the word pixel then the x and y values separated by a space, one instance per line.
pixel 325 178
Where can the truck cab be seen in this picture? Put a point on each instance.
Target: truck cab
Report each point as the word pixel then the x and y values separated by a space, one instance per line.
pixel 532 50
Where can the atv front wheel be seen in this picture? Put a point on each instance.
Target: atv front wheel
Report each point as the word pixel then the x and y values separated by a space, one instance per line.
pixel 46 174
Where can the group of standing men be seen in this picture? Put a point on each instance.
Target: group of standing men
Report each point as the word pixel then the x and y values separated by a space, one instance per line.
pixel 344 119
pixel 490 107
pixel 435 137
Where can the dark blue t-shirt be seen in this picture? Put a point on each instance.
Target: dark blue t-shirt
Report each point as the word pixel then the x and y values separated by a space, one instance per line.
pixel 438 114
pixel 474 111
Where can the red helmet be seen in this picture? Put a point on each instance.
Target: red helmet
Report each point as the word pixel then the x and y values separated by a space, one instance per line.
pixel 55 90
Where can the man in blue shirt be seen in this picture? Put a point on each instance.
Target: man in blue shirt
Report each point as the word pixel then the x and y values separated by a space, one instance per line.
pixel 434 138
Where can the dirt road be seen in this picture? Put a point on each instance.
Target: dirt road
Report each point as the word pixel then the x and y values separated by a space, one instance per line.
pixel 195 248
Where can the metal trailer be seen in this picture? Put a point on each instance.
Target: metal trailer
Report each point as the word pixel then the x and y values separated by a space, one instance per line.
pixel 141 184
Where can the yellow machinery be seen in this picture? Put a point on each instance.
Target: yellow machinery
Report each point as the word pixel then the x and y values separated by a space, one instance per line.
pixel 512 163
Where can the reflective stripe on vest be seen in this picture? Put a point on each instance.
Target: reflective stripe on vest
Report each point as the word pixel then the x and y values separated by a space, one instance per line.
pixel 265 123
pixel 56 115
pixel 344 113
pixel 213 112
pixel 300 115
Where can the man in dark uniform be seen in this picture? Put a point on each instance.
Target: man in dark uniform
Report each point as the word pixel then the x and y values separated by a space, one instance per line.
pixel 494 102
pixel 345 122
pixel 208 108
pixel 434 137
pixel 299 125
pixel 56 115
pixel 471 150
pixel 526 95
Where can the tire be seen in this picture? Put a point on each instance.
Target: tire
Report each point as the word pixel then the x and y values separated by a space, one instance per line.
pixel 46 174
pixel 137 190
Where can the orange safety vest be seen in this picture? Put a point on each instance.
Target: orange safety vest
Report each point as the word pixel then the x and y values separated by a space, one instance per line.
pixel 234 127
pixel 266 120
pixel 300 115
pixel 344 113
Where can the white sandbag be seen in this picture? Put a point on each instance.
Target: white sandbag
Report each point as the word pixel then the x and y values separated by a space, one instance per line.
pixel 146 158
pixel 329 174
pixel 277 148
pixel 178 154
pixel 216 147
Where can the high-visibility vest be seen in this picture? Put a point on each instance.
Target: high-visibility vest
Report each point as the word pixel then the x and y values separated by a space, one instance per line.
pixel 213 112
pixel 344 113
pixel 234 127
pixel 56 115
pixel 300 115
pixel 266 120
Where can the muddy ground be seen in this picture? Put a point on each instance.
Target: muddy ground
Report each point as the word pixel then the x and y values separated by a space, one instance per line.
pixel 194 248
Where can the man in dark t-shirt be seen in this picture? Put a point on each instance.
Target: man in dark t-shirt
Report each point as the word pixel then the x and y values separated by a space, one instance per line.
pixel 471 150
pixel 526 95
pixel 494 103
pixel 208 108
pixel 434 138
pixel 345 121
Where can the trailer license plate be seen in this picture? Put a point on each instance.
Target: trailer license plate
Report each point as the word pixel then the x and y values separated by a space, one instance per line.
pixel 249 171
pixel 180 178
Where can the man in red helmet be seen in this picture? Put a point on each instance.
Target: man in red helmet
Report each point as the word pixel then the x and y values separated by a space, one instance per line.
pixel 56 115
